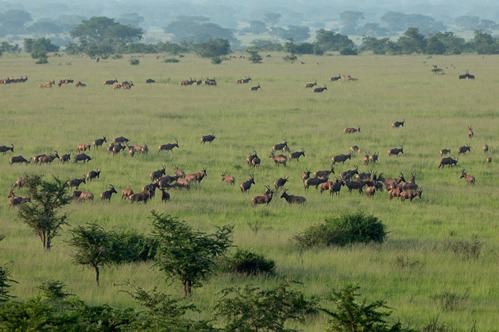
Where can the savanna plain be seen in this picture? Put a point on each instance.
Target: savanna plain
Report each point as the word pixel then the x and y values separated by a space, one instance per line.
pixel 425 255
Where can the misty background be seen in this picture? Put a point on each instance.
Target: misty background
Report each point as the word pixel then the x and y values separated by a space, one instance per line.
pixel 241 22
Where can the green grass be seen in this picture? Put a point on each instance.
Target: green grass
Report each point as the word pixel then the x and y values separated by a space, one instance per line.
pixel 437 109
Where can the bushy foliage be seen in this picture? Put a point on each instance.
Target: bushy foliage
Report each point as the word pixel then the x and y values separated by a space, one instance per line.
pixel 130 246
pixel 343 230
pixel 249 263
pixel 134 62
pixel 171 60
pixel 4 284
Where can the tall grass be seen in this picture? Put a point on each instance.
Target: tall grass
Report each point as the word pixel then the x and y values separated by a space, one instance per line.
pixel 414 266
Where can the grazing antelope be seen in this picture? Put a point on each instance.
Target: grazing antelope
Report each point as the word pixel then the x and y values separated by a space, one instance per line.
pixel 280 182
pixel 470 133
pixel 82 196
pixel 320 89
pixel 121 139
pixel 296 155
pixel 228 178
pixel 397 124
pixel 82 147
pixel 351 130
pixel 93 175
pixel 246 185
pixel 324 173
pixel 179 172
pixel 169 146
pixel 263 199
pixel 75 183
pixel 210 81
pixel 315 181
pixel 110 82
pixel 463 149
pixel 82 157
pixel 470 179
pixel 99 142
pixel 255 88
pixel 139 148
pixel 139 197
pixel 447 161
pixel 4 148
pixel 108 193
pixel 279 159
pixel 281 146
pixel 444 152
pixel 207 138
pixel 17 160
pixel 355 149
pixel 335 78
pixel 80 84
pixel 244 80
pixel 150 80
pixel 292 199
pixel 44 159
pixel 395 151
pixel 310 85
pixel 341 158
pixel 15 200
pixel 159 173
pixel 409 194
pixel 190 81
pixel 48 84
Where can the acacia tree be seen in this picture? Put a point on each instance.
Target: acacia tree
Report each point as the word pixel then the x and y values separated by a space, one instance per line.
pixel 92 245
pixel 187 254
pixel 41 213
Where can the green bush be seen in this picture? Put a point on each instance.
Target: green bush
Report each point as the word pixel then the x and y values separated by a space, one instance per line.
pixel 247 262
pixel 172 60
pixel 343 230
pixel 134 62
pixel 216 60
pixel 128 246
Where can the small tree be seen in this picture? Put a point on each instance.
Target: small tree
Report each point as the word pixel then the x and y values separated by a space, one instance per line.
pixel 40 213
pixel 185 253
pixel 92 245
pixel 254 309
pixel 254 57
pixel 4 285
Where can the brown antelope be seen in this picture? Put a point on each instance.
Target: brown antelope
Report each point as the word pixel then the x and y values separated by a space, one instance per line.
pixel 4 148
pixel 126 193
pixel 108 193
pixel 470 133
pixel 280 182
pixel 279 159
pixel 263 199
pixel 374 157
pixel 139 197
pixel 17 160
pixel 179 172
pixel 470 179
pixel 485 148
pixel 397 124
pixel 65 157
pixel 292 199
pixel 190 81
pixel 296 155
pixel 463 149
pixel 310 85
pixel 370 191
pixel 196 177
pixel 256 87
pixel 246 185
pixel 391 183
pixel 83 196
pixel 48 84
pixel 355 149
pixel 93 175
pixel 207 138
pixel 157 174
pixel 121 140
pixel 15 200
pixel 409 194
pixel 320 89
pixel 281 146
pixel 44 159
pixel 324 173
pixel 169 146
pixel 75 183
pixel 99 142
pixel 410 184
pixel 354 185
pixel 19 183
pixel 489 160
pixel 351 130
pixel 444 152
pixel 82 157
pixel 341 158
pixel 228 178
pixel 365 159
pixel 395 151
pixel 305 175
pixel 164 181
pixel 83 147
pixel 315 181
pixel 447 161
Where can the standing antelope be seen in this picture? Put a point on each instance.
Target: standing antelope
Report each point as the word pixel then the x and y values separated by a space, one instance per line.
pixel 296 155
pixel 470 179
pixel 351 130
pixel 108 193
pixel 228 178
pixel 255 88
pixel 292 199
pixel 463 149
pixel 279 159
pixel 280 182
pixel 395 151
pixel 470 132
pixel 4 148
pixel 281 146
pixel 310 85
pixel 449 161
pixel 159 173
pixel 341 158
pixel 397 124
pixel 169 146
pixel 207 138
pixel 263 199
pixel 99 142
pixel 83 147
pixel 246 185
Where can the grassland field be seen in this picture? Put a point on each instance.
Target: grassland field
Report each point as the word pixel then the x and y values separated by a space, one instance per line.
pixel 437 109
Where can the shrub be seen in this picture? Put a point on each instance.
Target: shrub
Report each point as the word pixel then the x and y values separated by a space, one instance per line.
pixel 343 230
pixel 134 62
pixel 467 249
pixel 128 246
pixel 247 262
pixel 171 60
pixel 216 60
pixel 450 301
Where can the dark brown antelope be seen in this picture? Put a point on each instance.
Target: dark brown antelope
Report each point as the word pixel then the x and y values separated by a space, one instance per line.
pixel 93 175
pixel 281 146
pixel 397 124
pixel 395 151
pixel 106 195
pixel 489 160
pixel 110 82
pixel 447 161
pixel 335 78
pixel 320 89
pixel 374 157
pixel 355 149
pixel 351 130
pixel 292 199
pixel 296 155
pixel 99 142
pixel 310 85
pixel 139 197
pixel 348 174
pixel 65 157
pixel 305 175
pixel 15 200
pixel 159 173
pixel 485 148
pixel 410 184
pixel 44 159
pixel 444 152
pixel 82 157
pixel 228 178
pixel 263 199
pixel 246 185
pixel 315 181
pixel 168 146
pixel 354 185
pixel 4 148
pixel 279 159
pixel 341 158
pixel 121 140
pixel 255 88
pixel 470 179
pixel 324 173
pixel 207 138
pixel 280 182
pixel 244 80
pixel 253 160
pixel 463 149
pixel 17 160
pixel 75 183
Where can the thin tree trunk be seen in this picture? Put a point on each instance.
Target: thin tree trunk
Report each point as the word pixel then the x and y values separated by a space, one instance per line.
pixel 187 288
pixel 97 273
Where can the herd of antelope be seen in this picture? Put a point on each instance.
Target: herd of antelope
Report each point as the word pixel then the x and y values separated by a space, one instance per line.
pixel 368 183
